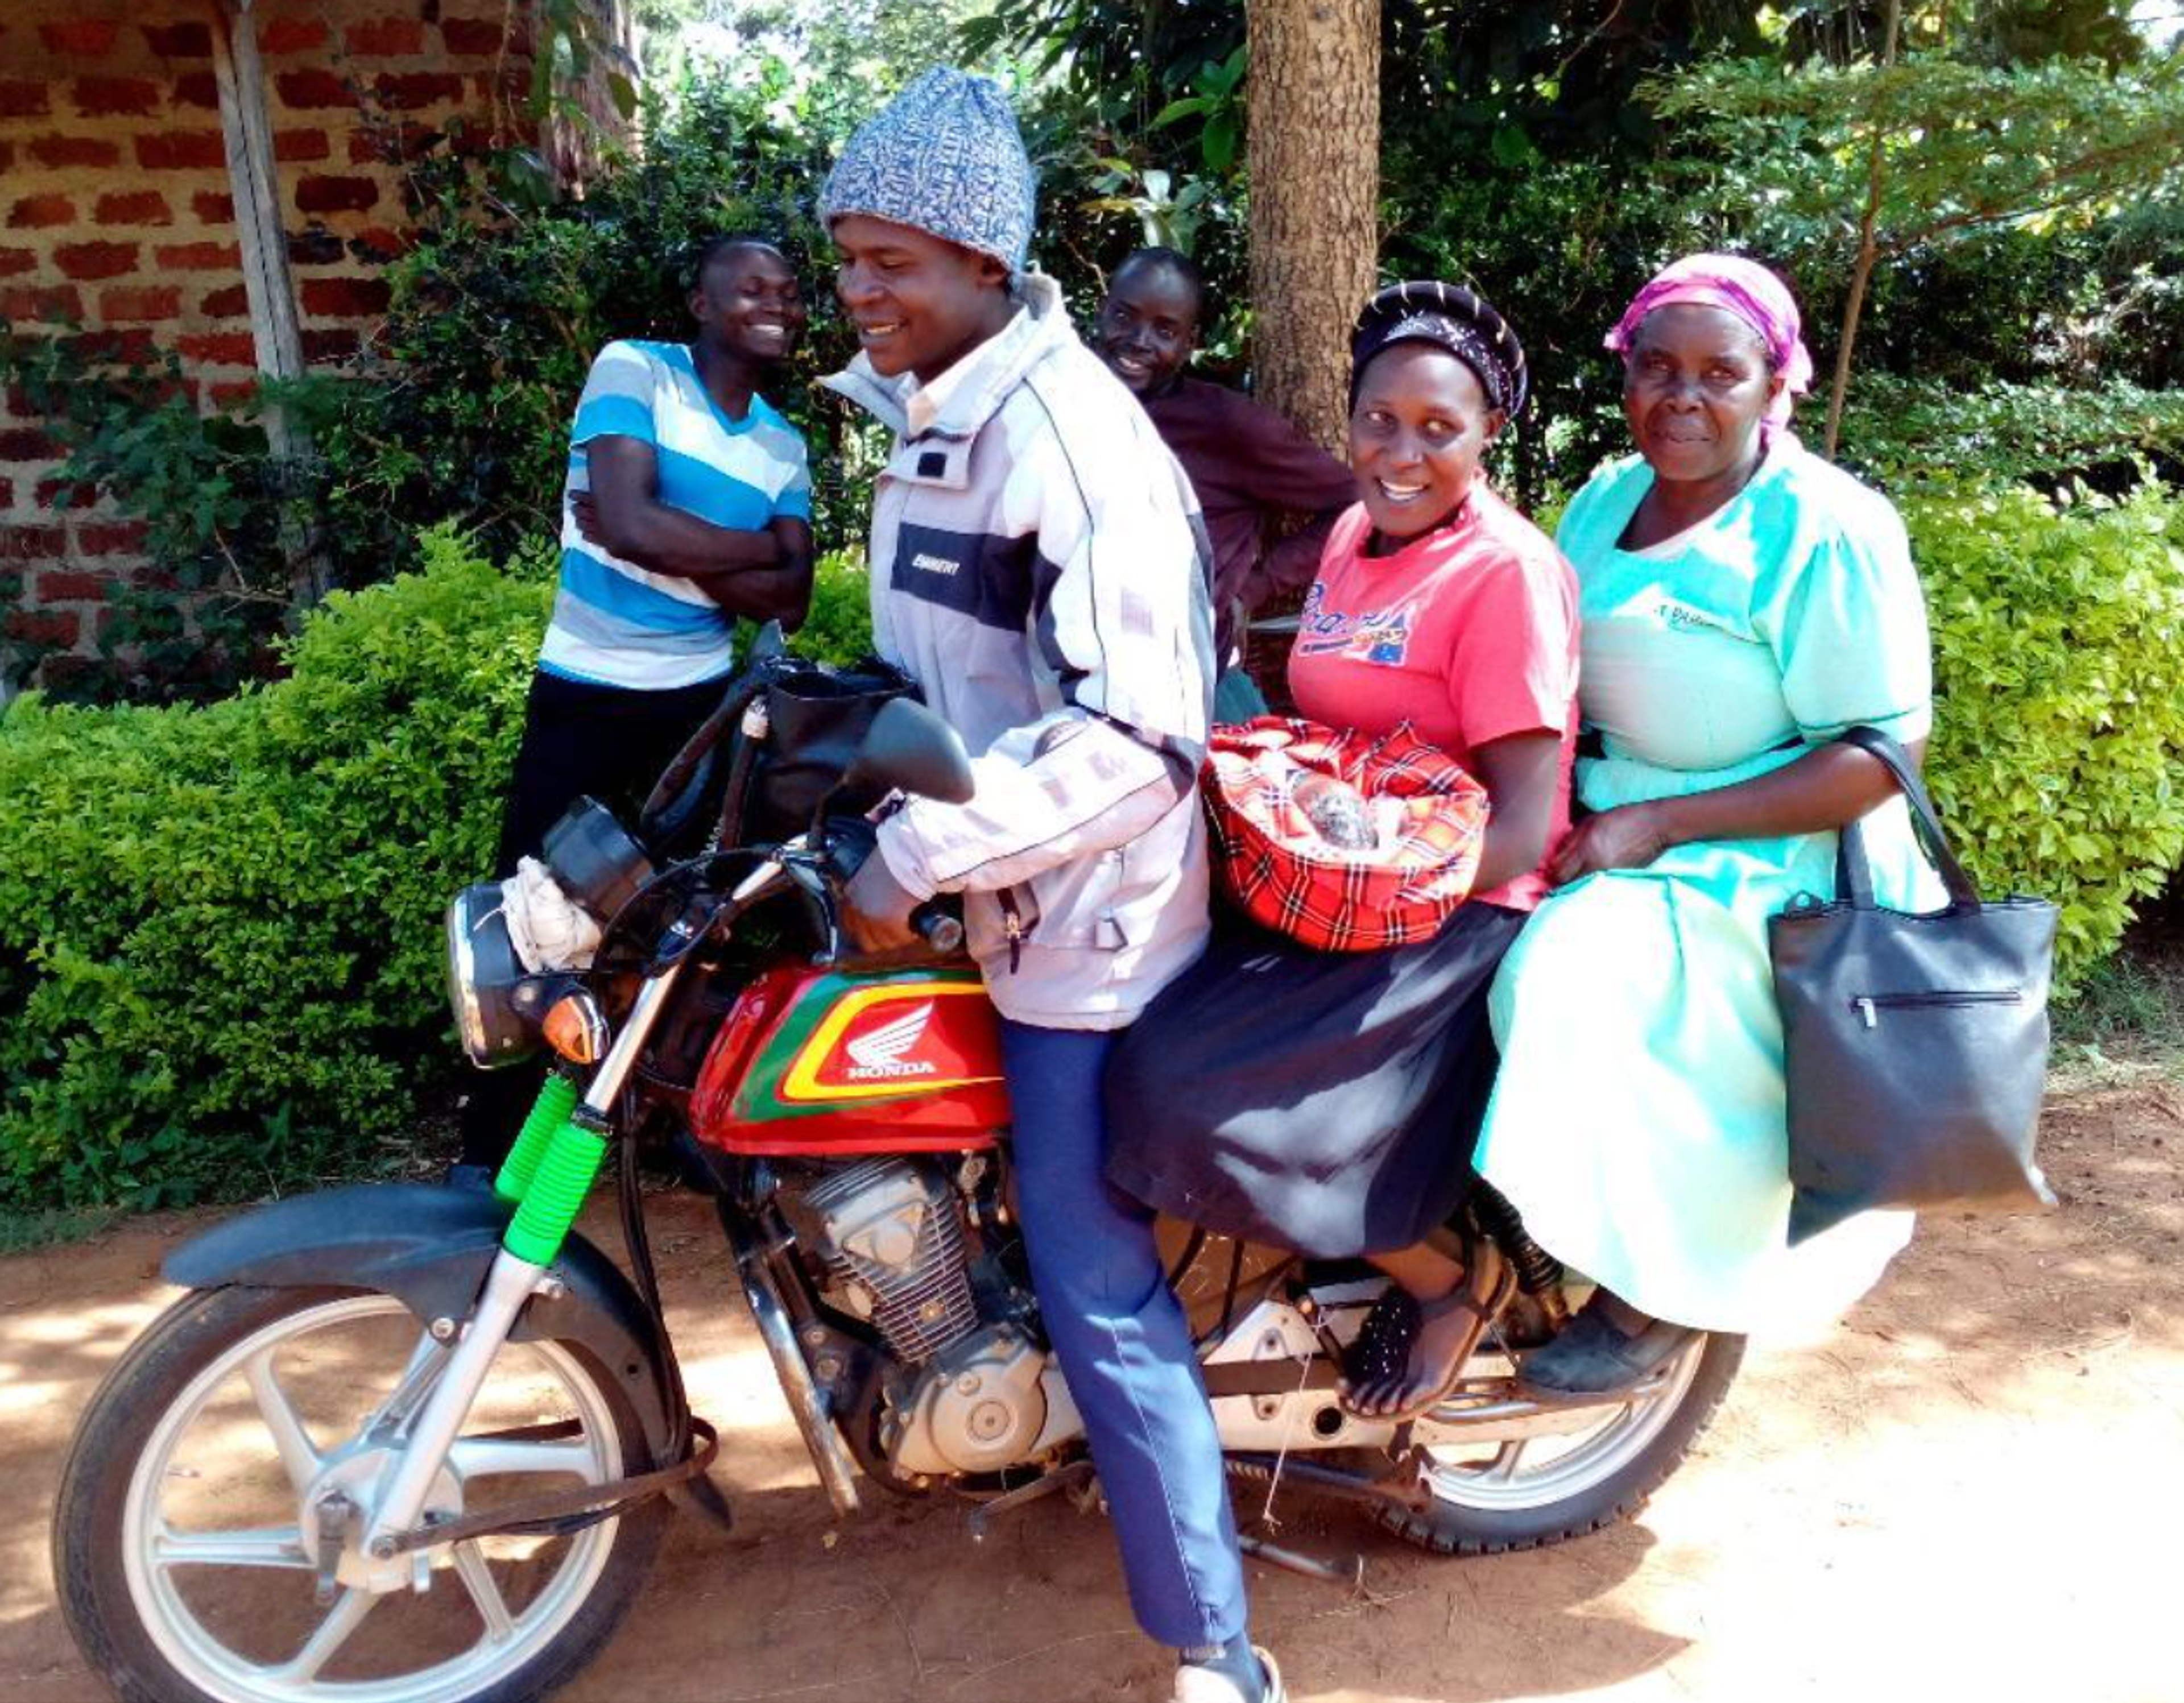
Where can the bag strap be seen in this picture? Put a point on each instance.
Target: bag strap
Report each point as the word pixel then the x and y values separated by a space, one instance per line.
pixel 1853 876
pixel 676 795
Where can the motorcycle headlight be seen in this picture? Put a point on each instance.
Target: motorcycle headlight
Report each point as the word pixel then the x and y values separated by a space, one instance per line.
pixel 484 976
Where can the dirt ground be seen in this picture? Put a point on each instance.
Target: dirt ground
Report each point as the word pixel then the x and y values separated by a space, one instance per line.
pixel 1973 1490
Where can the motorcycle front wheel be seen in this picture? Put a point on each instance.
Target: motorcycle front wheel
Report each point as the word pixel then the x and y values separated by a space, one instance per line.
pixel 189 1571
pixel 1576 1472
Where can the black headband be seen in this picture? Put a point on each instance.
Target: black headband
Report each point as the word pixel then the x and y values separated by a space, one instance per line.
pixel 1460 320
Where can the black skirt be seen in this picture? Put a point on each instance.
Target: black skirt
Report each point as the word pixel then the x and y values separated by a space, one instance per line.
pixel 1326 1102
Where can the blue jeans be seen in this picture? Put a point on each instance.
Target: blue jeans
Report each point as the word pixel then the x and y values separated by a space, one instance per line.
pixel 1124 1345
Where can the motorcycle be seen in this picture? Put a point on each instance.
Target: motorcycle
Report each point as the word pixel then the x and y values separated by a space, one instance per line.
pixel 417 1443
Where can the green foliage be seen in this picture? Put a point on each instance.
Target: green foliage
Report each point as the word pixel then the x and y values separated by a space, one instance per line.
pixel 1962 145
pixel 225 520
pixel 2128 1016
pixel 1559 255
pixel 218 953
pixel 1857 166
pixel 1901 432
pixel 1215 102
pixel 24 1232
pixel 577 44
pixel 839 628
pixel 219 943
pixel 2058 753
pixel 1168 216
pixel 1135 117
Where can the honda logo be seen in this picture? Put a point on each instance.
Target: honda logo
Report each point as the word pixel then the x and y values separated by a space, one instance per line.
pixel 879 1055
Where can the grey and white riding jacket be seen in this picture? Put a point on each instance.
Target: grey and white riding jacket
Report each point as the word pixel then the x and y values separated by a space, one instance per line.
pixel 1039 566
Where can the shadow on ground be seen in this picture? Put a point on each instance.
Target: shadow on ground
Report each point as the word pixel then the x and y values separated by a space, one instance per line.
pixel 1968 1490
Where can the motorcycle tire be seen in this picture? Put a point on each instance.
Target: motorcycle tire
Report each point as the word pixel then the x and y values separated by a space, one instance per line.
pixel 1486 1519
pixel 128 1420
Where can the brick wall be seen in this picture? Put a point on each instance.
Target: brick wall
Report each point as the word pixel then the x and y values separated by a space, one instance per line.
pixel 114 209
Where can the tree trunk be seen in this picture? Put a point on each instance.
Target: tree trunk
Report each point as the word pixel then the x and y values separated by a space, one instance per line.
pixel 1313 153
pixel 1869 247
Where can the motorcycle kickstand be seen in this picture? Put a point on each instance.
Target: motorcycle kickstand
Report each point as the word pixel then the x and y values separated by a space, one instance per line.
pixel 1069 1477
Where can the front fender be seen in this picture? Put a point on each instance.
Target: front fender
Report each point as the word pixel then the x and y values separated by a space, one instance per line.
pixel 429 1247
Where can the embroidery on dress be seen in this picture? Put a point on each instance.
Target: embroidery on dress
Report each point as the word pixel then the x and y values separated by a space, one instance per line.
pixel 1675 613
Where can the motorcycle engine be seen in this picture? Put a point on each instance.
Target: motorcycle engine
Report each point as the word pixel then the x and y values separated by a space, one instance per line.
pixel 978 1395
pixel 892 1236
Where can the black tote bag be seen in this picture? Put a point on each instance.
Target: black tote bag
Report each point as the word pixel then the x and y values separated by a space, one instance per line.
pixel 1915 1044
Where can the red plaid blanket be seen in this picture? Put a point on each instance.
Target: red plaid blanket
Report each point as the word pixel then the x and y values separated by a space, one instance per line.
pixel 1429 815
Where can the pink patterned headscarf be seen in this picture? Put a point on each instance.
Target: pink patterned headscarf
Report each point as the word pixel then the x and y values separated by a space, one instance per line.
pixel 1746 289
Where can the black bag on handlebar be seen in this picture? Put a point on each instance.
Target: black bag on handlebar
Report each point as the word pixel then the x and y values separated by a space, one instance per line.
pixel 728 788
pixel 817 717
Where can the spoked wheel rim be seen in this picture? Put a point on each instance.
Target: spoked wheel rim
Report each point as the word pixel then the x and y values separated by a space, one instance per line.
pixel 158 1557
pixel 1535 1472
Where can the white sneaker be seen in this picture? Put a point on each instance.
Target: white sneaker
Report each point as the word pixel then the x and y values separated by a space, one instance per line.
pixel 1196 1684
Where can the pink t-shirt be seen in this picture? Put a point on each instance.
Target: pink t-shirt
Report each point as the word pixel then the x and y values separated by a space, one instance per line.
pixel 1469 633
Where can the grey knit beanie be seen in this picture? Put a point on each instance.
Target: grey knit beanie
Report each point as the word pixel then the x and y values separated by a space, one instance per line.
pixel 943 156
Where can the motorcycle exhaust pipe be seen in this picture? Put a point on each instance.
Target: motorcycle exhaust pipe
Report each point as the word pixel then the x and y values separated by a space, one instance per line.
pixel 836 1471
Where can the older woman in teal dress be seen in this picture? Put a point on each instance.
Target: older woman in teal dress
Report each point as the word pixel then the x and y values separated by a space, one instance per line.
pixel 1742 602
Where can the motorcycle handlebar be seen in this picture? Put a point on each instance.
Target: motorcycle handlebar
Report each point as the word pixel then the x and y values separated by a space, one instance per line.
pixel 845 842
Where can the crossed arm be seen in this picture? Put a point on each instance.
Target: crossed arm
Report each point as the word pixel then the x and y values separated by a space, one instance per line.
pixel 766 575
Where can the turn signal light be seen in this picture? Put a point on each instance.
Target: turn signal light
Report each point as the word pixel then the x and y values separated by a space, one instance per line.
pixel 576 1029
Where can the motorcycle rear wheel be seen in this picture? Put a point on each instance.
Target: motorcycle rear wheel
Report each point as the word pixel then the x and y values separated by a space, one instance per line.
pixel 1538 1491
pixel 186 1575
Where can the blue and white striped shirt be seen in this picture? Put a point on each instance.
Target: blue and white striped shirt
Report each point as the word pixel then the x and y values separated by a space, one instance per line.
pixel 613 623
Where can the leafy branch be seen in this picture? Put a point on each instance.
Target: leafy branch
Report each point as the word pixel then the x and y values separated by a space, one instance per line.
pixel 1916 148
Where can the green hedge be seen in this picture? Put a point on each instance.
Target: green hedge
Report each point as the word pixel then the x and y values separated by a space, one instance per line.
pixel 219 926
pixel 218 961
pixel 839 628
pixel 2057 756
pixel 219 943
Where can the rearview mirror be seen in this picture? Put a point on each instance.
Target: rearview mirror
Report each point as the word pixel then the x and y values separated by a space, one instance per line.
pixel 909 747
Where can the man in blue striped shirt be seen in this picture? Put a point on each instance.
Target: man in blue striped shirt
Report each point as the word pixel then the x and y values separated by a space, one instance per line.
pixel 687 503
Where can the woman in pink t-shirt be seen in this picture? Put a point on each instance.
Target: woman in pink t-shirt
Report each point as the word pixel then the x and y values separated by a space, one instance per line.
pixel 1328 1101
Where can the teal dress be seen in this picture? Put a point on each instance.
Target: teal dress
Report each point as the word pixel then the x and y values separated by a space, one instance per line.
pixel 1638 1119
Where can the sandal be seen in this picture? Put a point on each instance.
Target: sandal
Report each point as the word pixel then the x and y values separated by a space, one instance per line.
pixel 1380 1353
pixel 1592 1356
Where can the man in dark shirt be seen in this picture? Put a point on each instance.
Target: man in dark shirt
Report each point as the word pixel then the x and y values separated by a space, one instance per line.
pixel 1252 469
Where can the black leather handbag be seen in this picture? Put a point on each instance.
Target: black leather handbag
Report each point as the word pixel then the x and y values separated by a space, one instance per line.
pixel 1915 1044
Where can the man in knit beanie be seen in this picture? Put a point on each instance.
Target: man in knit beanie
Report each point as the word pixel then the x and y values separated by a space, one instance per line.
pixel 1036 567
pixel 945 158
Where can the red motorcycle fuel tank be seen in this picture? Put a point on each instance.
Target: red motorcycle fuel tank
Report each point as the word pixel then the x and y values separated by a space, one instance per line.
pixel 814 1062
